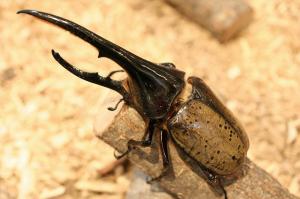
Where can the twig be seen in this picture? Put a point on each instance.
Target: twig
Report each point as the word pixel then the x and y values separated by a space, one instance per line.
pixel 185 181
pixel 224 19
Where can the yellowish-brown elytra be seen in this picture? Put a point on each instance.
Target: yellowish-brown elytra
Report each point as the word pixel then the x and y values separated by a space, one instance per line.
pixel 201 126
pixel 207 131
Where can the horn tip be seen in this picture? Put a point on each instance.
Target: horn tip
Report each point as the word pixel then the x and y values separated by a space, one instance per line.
pixel 54 53
pixel 26 11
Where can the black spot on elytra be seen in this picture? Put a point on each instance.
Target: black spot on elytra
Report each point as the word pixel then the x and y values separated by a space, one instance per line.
pixel 225 127
pixel 205 146
pixel 218 152
pixel 207 122
pixel 229 139
pixel 233 158
pixel 230 135
pixel 184 132
pixel 212 157
pixel 220 125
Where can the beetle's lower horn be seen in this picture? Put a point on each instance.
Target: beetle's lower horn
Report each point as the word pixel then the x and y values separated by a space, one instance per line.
pixel 93 77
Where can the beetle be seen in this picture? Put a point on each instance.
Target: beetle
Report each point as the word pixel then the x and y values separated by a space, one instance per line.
pixel 200 125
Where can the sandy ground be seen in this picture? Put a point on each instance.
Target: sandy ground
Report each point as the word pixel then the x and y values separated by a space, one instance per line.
pixel 47 145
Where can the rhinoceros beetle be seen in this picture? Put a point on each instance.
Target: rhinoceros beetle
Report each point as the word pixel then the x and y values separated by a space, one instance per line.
pixel 200 125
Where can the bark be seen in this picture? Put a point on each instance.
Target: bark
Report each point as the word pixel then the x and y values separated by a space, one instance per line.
pixel 184 181
pixel 223 18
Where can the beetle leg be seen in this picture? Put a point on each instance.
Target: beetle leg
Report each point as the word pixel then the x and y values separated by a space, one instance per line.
pixel 146 142
pixel 113 72
pixel 116 106
pixel 214 181
pixel 165 155
pixel 164 148
pixel 225 192
pixel 93 77
pixel 109 76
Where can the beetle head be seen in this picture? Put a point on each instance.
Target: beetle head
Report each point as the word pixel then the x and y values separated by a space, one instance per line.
pixel 151 88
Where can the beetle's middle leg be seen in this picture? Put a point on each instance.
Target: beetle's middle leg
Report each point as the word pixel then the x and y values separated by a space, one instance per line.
pixel 146 142
pixel 165 155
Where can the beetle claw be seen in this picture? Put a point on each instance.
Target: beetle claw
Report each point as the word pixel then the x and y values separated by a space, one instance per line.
pixel 116 106
pixel 114 72
pixel 119 156
pixel 225 193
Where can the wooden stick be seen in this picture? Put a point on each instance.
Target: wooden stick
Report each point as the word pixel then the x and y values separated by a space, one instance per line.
pixel 223 18
pixel 139 188
pixel 185 181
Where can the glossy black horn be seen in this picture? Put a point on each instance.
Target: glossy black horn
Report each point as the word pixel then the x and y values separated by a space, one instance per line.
pixel 152 87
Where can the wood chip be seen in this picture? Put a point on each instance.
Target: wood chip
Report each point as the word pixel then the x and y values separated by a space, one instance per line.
pixel 97 186
pixel 293 127
pixel 52 193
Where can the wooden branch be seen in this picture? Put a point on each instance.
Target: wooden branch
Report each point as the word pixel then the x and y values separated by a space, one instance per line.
pixel 139 188
pixel 223 18
pixel 185 181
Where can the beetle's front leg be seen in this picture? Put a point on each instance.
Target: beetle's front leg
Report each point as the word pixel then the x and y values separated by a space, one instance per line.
pixel 146 142
pixel 116 106
pixel 114 72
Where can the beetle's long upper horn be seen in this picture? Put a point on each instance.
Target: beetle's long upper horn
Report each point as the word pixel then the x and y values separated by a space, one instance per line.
pixel 151 85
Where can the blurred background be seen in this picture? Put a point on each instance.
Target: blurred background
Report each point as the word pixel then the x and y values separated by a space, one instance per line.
pixel 47 145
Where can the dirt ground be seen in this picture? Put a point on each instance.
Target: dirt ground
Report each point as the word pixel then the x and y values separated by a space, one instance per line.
pixel 47 145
